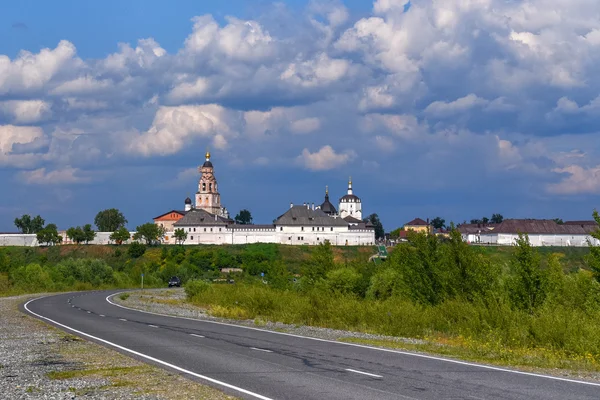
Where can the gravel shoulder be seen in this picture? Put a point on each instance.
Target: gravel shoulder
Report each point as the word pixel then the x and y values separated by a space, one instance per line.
pixel 172 302
pixel 38 361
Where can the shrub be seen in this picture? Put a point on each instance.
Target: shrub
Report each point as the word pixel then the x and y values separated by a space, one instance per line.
pixel 124 296
pixel 195 287
pixel 136 250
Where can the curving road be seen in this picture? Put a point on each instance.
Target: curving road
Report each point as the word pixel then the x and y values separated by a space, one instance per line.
pixel 251 363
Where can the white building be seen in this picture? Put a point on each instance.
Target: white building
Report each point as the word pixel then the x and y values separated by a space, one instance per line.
pixel 350 204
pixel 209 223
pixel 540 233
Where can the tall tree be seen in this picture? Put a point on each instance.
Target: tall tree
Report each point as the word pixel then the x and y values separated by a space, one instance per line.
pixel 374 219
pixel 110 220
pixel 593 258
pixel 244 217
pixel 438 223
pixel 180 235
pixel 497 218
pixel 27 225
pixel 485 220
pixel 149 232
pixel 475 221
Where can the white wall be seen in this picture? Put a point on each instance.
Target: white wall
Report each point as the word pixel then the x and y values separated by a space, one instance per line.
pixel 509 239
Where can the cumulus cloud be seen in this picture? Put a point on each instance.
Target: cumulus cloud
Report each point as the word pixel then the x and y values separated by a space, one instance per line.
pixel 12 137
pixel 442 108
pixel 173 127
pixel 25 111
pixel 579 180
pixel 324 159
pixel 63 176
pixel 305 125
pixel 30 72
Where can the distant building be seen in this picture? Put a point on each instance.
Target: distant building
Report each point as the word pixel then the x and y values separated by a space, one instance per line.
pixel 540 232
pixel 418 225
pixel 350 204
pixel 208 221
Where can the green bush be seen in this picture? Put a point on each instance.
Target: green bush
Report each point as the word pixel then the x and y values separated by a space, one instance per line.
pixel 195 287
pixel 136 249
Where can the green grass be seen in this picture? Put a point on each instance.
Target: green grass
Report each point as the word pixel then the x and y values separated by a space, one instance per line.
pixel 124 296
pixel 555 337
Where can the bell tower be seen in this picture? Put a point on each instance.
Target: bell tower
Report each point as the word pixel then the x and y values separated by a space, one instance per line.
pixel 208 197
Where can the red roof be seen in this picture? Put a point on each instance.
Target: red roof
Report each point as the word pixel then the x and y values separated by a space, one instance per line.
pixel 417 222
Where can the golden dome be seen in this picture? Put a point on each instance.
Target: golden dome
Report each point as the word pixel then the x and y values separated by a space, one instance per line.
pixel 207 155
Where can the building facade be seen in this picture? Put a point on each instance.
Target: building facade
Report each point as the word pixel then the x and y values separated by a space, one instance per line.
pixel 208 221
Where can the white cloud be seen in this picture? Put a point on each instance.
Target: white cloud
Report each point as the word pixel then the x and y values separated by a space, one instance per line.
pixel 13 136
pixel 81 85
pixel 305 125
pixel 319 71
pixel 29 72
pixel 384 143
pixel 324 159
pixel 189 90
pixel 173 127
pixel 580 180
pixel 404 126
pixel 66 175
pixel 442 108
pixel 26 111
pixel 238 40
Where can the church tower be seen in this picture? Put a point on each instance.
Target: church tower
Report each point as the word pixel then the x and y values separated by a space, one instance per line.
pixel 208 197
pixel 350 204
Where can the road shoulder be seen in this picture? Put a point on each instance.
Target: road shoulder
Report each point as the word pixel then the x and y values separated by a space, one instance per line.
pixel 40 361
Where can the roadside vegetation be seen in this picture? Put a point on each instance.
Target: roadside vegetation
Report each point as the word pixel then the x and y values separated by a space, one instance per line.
pixel 532 308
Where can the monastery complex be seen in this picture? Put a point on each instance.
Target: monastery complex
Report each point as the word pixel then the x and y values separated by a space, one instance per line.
pixel 207 221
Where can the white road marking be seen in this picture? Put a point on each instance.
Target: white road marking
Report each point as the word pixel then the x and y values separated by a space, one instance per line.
pixel 122 319
pixel 89 312
pixel 153 326
pixel 101 315
pixel 361 346
pixel 156 360
pixel 265 350
pixel 193 334
pixel 364 373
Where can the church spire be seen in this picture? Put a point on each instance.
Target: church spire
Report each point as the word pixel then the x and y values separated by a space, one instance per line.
pixel 350 185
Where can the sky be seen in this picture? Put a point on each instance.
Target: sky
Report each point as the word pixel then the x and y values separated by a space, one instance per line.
pixel 459 109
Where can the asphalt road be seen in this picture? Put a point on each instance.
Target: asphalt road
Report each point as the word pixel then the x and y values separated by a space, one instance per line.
pixel 252 363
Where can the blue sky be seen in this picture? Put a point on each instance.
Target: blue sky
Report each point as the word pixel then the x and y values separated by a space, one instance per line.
pixel 452 109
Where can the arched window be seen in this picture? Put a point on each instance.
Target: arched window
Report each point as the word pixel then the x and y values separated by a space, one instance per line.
pixel 210 187
pixel 203 186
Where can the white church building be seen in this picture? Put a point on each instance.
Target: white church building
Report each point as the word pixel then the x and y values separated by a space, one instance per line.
pixel 208 221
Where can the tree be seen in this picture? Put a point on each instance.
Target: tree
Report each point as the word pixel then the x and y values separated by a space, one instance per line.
pixel 475 221
pixel 593 258
pixel 321 262
pixel 528 282
pixel 438 223
pixel 485 220
pixel 28 225
pixel 180 236
pixel 374 219
pixel 88 233
pixel 395 234
pixel 120 235
pixel 558 221
pixel 76 234
pixel 110 220
pixel 149 232
pixel 49 235
pixel 244 217
pixel 497 218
